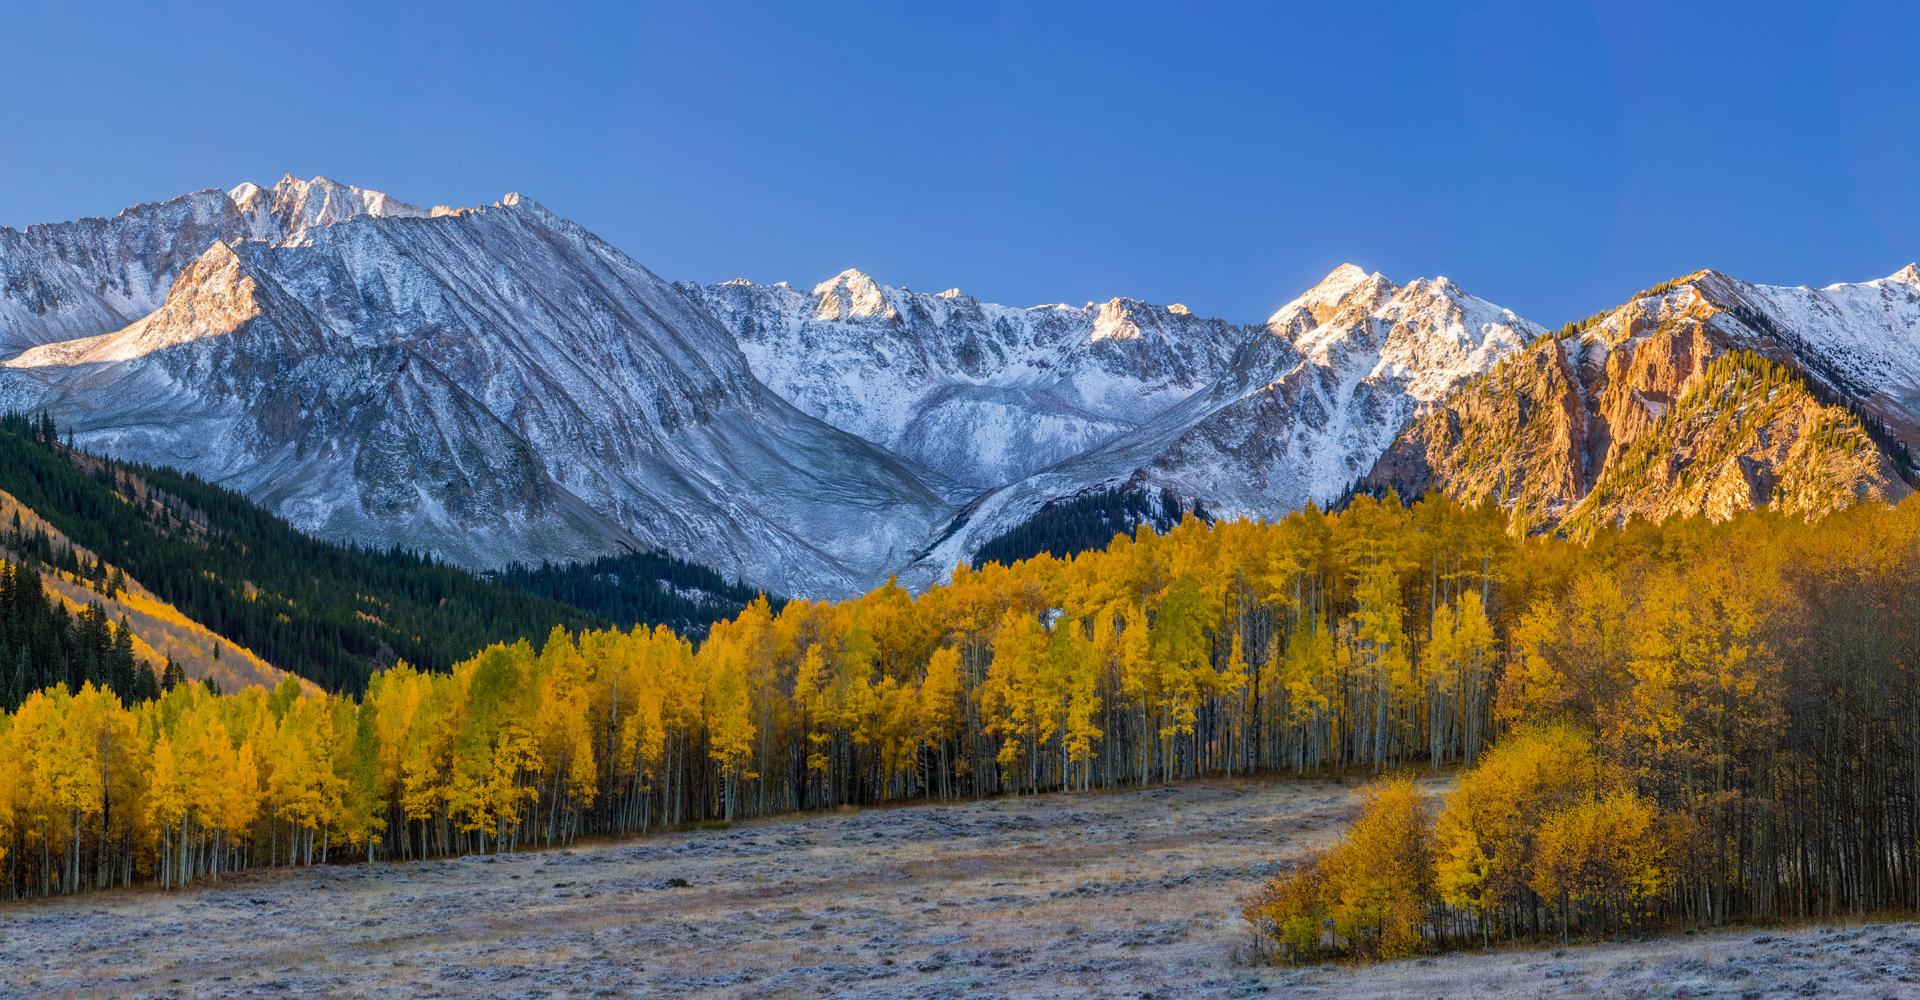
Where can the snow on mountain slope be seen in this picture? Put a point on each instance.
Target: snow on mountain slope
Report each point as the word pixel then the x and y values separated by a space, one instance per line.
pixel 493 384
pixel 497 384
pixel 982 394
pixel 1862 339
pixel 66 280
pixel 1303 410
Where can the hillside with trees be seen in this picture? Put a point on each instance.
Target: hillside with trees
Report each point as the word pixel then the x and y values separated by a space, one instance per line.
pixel 332 614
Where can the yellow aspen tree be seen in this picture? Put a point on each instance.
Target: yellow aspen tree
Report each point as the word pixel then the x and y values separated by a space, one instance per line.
pixel 941 711
pixel 1604 856
pixel 10 790
pixel 729 719
pixel 1486 832
pixel 1007 695
pixel 1379 881
pixel 1073 686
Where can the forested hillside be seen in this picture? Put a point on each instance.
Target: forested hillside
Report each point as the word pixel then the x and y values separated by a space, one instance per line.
pixel 62 603
pixel 635 588
pixel 1082 523
pixel 330 613
pixel 43 644
pixel 1753 679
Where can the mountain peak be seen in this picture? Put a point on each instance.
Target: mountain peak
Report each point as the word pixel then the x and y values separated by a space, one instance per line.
pixel 1321 301
pixel 1115 321
pixel 284 213
pixel 852 277
pixel 1342 280
pixel 1909 275
pixel 853 294
pixel 1345 275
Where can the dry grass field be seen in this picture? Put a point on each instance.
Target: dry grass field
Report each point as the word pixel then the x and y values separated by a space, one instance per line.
pixel 1133 893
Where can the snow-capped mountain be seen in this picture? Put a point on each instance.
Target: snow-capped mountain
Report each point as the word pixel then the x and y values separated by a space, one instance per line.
pixel 982 394
pixel 1304 408
pixel 491 384
pixel 496 384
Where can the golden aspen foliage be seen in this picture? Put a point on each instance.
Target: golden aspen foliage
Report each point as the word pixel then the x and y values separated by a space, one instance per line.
pixel 1604 854
pixel 1289 914
pixel 1378 882
pixel 1723 719
pixel 1485 835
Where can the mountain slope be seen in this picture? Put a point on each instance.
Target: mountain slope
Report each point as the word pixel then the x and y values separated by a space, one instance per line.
pixel 982 394
pixel 1646 410
pixel 77 579
pixel 495 385
pixel 1304 408
pixel 328 613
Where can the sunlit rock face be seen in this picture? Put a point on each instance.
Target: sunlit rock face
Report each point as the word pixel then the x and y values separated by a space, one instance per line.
pixel 1709 395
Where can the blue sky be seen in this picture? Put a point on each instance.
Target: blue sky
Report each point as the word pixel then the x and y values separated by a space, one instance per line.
pixel 1553 157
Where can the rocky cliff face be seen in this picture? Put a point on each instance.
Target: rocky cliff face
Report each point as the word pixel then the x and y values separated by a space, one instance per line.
pixel 1745 433
pixel 1641 411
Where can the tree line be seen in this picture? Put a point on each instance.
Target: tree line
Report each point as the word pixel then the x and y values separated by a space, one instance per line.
pixel 1384 636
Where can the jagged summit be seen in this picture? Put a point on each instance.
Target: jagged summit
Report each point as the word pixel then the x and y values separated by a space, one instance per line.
pixel 284 213
pixel 1319 302
pixel 1341 278
pixel 853 294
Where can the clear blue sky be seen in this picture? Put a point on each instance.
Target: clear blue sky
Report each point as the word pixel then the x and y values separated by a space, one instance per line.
pixel 1553 157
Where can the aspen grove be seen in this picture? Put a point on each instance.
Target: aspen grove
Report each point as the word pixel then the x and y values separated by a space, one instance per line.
pixel 1746 688
pixel 1698 723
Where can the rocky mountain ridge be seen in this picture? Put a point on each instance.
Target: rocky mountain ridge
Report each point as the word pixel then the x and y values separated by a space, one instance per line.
pixel 1648 410
pixel 497 385
pixel 494 385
